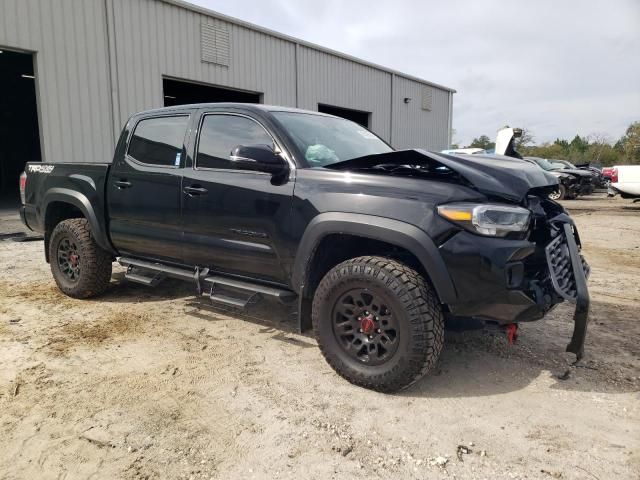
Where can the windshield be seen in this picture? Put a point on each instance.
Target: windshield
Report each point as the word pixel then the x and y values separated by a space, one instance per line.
pixel 564 163
pixel 326 140
pixel 546 164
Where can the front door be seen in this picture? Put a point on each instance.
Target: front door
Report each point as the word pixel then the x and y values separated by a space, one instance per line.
pixel 235 221
pixel 144 190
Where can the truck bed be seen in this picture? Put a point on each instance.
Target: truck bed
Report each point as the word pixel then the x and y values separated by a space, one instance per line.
pixel 83 184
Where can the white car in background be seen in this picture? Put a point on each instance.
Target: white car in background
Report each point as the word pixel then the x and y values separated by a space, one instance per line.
pixel 464 151
pixel 625 180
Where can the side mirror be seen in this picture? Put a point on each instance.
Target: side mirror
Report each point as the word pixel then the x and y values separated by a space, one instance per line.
pixel 258 158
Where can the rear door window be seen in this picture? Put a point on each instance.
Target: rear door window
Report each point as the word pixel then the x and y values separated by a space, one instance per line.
pixel 159 140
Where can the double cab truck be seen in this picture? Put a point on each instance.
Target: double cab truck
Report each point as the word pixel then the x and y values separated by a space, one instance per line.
pixel 372 247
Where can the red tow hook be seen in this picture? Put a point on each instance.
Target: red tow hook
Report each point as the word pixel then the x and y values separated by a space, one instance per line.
pixel 512 332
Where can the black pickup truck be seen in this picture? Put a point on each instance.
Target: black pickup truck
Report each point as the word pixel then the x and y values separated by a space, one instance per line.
pixel 373 247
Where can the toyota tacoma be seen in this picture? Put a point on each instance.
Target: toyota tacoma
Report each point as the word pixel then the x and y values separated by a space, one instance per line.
pixel 372 247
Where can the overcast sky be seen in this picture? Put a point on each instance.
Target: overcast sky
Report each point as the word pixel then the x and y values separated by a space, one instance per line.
pixel 555 67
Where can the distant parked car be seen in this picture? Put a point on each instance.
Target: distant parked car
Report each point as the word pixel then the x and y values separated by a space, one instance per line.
pixel 600 181
pixel 606 174
pixel 625 180
pixel 596 172
pixel 586 187
pixel 572 182
pixel 465 151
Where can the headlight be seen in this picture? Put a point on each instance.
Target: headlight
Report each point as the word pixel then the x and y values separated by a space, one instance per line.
pixel 487 219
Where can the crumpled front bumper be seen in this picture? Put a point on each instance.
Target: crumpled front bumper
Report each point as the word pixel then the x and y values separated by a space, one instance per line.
pixel 511 281
pixel 569 271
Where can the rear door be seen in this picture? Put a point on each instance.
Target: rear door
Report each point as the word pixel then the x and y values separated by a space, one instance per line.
pixel 144 188
pixel 235 221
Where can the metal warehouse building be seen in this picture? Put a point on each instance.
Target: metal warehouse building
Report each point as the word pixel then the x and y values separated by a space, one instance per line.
pixel 72 72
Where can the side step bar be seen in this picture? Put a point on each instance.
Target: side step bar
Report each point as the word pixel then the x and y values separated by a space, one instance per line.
pixel 151 273
pixel 169 271
pixel 250 287
pixel 133 276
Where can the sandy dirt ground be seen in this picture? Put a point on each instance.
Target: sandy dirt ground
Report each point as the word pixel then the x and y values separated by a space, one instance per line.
pixel 148 383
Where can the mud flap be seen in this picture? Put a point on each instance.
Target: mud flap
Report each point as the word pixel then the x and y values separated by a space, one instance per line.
pixel 581 314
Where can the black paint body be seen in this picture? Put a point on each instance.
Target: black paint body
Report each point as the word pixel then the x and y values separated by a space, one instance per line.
pixel 245 223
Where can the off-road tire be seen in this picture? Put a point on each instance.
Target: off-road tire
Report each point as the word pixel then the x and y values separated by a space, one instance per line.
pixel 418 313
pixel 94 262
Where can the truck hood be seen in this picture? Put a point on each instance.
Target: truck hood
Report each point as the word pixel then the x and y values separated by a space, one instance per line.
pixel 575 171
pixel 492 175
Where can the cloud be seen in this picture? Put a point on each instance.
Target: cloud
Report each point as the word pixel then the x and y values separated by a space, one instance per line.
pixel 557 68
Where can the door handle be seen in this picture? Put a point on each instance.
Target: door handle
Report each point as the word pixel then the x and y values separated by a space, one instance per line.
pixel 122 184
pixel 195 190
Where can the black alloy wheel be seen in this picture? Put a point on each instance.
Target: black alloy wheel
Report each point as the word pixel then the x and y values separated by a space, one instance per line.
pixel 69 259
pixel 365 327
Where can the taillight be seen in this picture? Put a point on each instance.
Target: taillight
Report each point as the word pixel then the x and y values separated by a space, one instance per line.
pixel 23 187
pixel 614 175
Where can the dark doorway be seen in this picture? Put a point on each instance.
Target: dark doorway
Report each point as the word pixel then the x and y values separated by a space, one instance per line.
pixel 357 116
pixel 177 92
pixel 19 133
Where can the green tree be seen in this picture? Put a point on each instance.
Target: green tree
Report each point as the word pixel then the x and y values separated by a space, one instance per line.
pixel 562 143
pixel 483 141
pixel 545 150
pixel 630 144
pixel 524 140
pixel 578 144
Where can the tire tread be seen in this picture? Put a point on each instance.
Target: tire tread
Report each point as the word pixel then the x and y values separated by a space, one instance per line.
pixel 96 263
pixel 424 315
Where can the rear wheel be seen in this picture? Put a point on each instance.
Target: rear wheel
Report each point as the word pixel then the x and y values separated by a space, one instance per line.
pixel 80 267
pixel 378 323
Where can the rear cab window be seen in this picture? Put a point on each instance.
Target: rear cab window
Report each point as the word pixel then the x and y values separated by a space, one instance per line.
pixel 159 140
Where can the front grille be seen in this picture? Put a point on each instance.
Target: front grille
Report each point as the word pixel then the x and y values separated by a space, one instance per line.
pixel 560 269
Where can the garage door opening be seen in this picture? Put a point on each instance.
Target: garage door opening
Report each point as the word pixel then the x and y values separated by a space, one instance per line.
pixel 178 92
pixel 357 116
pixel 19 132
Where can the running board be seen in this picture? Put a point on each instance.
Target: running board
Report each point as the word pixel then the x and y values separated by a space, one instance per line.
pixel 151 273
pixel 280 294
pixel 137 277
pixel 174 272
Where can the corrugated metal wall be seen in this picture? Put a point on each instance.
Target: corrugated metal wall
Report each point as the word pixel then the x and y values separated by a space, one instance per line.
pixel 332 80
pixel 413 126
pixel 155 39
pixel 72 75
pixel 99 61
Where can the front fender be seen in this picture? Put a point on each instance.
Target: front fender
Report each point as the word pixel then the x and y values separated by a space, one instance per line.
pixel 388 230
pixel 82 203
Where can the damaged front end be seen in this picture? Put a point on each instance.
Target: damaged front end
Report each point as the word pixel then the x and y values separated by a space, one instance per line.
pixel 520 280
pixel 569 271
pixel 516 276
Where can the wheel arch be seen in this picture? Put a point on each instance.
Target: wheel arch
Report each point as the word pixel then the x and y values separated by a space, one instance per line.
pixel 61 204
pixel 395 233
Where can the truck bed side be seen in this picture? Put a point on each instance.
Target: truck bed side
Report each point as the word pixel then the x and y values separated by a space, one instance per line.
pixel 58 191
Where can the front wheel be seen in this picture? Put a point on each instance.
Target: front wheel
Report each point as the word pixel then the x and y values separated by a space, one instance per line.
pixel 378 323
pixel 559 194
pixel 80 267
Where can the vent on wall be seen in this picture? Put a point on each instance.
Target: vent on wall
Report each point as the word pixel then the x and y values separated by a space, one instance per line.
pixel 427 98
pixel 214 44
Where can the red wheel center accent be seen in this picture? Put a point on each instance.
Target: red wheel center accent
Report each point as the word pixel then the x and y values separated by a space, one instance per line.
pixel 367 325
pixel 73 259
